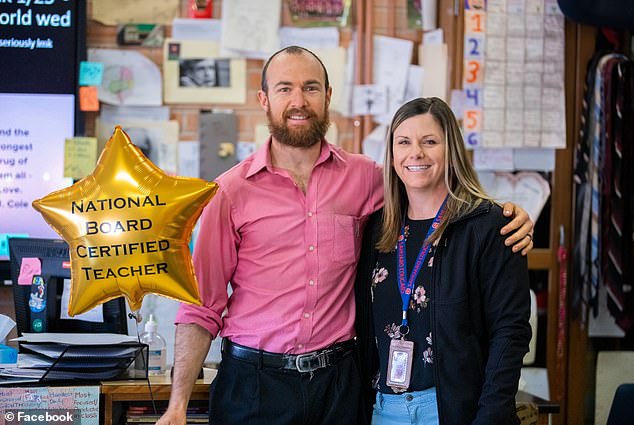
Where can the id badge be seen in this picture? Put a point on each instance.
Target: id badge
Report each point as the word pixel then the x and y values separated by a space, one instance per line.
pixel 400 360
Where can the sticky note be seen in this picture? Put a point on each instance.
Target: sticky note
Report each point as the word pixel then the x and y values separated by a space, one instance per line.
pixel 4 245
pixel 88 98
pixel 80 156
pixel 90 73
pixel 4 242
pixel 29 267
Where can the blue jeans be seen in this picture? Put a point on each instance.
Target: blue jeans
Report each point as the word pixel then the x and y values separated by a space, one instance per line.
pixel 414 408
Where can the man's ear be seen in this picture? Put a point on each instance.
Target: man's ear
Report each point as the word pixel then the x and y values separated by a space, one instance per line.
pixel 328 96
pixel 264 100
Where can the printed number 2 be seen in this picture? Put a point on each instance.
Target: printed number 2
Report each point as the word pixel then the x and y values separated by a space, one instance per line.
pixel 475 47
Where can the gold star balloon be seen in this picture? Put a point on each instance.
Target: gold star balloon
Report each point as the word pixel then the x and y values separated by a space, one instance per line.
pixel 128 226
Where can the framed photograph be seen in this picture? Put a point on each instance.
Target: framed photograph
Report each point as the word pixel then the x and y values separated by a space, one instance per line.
pixel 195 73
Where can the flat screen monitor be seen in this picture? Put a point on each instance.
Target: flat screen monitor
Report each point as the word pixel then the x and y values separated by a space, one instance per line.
pixel 54 261
pixel 41 46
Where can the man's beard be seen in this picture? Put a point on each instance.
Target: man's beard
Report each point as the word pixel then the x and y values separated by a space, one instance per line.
pixel 298 137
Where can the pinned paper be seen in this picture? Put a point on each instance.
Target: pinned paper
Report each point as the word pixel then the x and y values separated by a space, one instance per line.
pixel 434 61
pixel 414 87
pixel 374 144
pixel 310 38
pixel 369 99
pixel 261 134
pixel 250 27
pixel 112 12
pixel 429 12
pixel 129 78
pixel 534 159
pixel 90 73
pixel 93 315
pixel 436 36
pixel 88 98
pixel 457 102
pixel 493 159
pixel 189 159
pixel 196 29
pixel 158 140
pixel 80 156
pixel 334 59
pixel 529 190
pixel 390 66
pixel 244 149
pixel 29 267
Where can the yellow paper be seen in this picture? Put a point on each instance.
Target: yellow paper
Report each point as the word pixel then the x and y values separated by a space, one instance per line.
pixel 435 63
pixel 112 12
pixel 334 60
pixel 80 156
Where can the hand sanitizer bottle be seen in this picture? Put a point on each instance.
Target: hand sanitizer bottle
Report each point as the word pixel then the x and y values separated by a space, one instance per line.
pixel 157 347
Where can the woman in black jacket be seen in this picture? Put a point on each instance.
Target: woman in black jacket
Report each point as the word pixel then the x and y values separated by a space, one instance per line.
pixel 442 304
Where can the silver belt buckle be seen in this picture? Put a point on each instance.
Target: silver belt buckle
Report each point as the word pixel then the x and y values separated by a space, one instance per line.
pixel 310 362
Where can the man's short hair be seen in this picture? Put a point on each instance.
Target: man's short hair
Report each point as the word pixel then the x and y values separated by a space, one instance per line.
pixel 291 50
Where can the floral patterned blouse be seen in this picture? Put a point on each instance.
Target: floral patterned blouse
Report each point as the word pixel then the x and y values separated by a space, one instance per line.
pixel 387 307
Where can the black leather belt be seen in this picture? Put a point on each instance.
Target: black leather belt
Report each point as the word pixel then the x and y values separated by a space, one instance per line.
pixel 306 362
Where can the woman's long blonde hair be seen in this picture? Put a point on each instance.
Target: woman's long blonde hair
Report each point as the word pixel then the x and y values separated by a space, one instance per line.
pixel 465 191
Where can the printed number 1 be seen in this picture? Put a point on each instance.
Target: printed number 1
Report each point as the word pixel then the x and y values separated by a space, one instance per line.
pixel 477 17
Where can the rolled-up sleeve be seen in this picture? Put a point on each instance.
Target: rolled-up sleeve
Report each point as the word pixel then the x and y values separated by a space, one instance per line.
pixel 215 259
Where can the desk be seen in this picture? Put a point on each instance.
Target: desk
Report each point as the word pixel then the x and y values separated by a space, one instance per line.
pixel 544 407
pixel 137 390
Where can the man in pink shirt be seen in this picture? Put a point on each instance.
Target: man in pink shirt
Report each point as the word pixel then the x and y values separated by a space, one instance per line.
pixel 284 230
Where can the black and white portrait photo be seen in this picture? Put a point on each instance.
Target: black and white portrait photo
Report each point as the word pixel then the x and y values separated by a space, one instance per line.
pixel 205 72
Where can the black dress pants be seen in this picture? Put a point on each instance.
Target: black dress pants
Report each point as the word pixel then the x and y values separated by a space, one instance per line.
pixel 245 393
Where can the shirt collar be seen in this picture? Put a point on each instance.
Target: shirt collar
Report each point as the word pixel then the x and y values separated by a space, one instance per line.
pixel 262 158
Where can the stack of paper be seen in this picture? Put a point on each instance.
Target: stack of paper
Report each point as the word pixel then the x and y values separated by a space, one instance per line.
pixel 91 357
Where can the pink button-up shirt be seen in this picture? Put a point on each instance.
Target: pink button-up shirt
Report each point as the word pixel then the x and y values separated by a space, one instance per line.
pixel 289 256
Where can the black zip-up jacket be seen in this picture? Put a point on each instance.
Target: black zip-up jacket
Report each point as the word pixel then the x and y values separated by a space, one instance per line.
pixel 480 306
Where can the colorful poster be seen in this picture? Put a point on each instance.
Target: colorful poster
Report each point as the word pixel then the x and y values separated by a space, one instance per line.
pixel 514 74
pixel 81 404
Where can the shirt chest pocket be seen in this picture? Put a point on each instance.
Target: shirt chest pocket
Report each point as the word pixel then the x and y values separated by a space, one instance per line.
pixel 346 238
